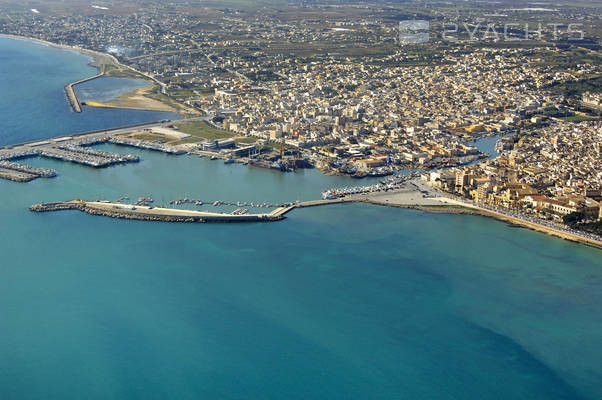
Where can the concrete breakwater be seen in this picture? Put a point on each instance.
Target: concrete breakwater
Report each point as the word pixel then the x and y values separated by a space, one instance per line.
pixel 147 213
pixel 72 96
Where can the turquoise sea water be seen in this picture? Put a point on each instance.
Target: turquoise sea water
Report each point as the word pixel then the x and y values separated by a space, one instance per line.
pixel 341 302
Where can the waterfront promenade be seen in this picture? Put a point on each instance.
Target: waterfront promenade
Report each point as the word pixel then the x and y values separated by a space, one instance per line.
pixel 419 195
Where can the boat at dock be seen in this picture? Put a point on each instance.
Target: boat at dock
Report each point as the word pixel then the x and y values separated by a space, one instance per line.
pixel 359 175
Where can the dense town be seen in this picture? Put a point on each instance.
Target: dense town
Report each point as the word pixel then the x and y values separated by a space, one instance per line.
pixel 345 97
pixel 553 173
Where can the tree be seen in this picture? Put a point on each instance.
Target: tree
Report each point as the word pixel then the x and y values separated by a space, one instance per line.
pixel 573 218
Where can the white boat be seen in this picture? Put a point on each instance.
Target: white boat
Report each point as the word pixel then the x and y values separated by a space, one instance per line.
pixel 328 195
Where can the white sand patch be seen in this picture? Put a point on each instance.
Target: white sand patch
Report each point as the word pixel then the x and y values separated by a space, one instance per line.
pixel 532 9
pixel 171 132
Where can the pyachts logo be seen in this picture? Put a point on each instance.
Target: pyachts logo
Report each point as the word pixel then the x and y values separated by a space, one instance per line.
pixel 413 31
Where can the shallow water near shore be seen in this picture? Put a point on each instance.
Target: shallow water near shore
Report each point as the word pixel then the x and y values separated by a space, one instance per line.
pixel 105 89
pixel 345 301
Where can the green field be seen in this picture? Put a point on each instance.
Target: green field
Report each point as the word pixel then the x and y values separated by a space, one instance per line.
pixel 202 130
pixel 578 118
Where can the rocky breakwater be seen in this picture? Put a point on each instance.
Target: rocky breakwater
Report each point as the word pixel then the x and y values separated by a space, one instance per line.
pixel 147 213
pixel 58 206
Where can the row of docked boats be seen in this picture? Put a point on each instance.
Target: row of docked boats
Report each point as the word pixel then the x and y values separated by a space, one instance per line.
pixel 216 203
pixel 389 183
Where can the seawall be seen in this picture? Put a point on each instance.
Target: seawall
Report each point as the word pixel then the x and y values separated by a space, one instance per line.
pixel 146 213
pixel 72 96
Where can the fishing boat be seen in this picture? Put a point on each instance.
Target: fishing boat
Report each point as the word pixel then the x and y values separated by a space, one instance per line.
pixel 328 195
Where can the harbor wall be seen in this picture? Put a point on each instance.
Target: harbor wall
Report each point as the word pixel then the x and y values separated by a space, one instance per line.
pixel 121 211
pixel 72 96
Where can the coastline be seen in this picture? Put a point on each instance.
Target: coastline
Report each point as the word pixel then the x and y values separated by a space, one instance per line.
pixel 538 227
pixel 451 206
pixel 456 207
pixel 96 56
pixel 100 61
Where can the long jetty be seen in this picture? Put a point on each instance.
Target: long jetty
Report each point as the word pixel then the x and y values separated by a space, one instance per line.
pixel 148 213
pixel 72 96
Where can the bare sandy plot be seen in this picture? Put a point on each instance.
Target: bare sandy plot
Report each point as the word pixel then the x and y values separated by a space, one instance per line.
pixel 138 100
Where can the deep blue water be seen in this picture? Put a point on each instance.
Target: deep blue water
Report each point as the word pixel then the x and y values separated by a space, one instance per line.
pixel 345 302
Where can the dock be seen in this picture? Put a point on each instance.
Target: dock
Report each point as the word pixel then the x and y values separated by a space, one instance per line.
pixel 64 149
pixel 75 148
pixel 145 212
pixel 148 213
pixel 83 156
pixel 145 145
pixel 23 173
